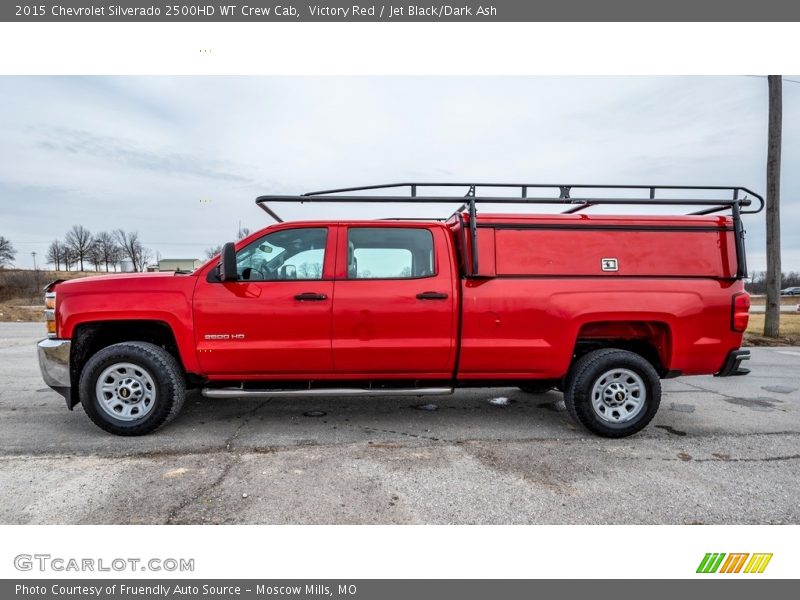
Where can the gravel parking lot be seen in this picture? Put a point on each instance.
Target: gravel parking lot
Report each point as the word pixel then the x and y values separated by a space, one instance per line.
pixel 719 451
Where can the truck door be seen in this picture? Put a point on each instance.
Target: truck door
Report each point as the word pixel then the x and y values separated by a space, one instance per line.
pixel 394 309
pixel 276 319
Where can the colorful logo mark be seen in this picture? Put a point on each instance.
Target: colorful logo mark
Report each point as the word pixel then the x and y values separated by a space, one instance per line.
pixel 734 563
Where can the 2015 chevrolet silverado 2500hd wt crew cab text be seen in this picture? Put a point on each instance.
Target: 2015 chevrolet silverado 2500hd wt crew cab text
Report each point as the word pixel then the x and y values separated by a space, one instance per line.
pixel 601 306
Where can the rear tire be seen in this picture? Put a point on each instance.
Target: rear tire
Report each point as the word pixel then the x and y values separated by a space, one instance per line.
pixel 613 393
pixel 132 388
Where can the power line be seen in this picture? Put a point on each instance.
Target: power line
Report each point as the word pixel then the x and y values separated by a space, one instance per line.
pixel 171 243
pixel 786 79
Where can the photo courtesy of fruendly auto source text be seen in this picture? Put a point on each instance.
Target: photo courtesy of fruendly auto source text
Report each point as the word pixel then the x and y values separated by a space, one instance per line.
pixel 480 300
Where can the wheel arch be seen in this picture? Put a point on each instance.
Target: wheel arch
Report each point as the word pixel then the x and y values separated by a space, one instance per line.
pixel 88 338
pixel 652 340
pixel 605 367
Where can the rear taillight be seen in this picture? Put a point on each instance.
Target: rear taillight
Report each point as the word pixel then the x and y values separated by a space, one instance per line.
pixel 740 311
pixel 50 313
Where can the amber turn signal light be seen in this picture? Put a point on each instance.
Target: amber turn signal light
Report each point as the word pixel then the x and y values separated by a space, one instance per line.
pixel 50 313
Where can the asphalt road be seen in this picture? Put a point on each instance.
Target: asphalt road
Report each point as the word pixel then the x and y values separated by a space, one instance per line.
pixel 719 451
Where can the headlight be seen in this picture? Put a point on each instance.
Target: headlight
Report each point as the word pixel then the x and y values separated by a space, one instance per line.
pixel 50 313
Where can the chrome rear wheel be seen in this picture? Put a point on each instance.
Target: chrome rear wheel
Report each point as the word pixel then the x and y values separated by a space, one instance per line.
pixel 618 395
pixel 612 392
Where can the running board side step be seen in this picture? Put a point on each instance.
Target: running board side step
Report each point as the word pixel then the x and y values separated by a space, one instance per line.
pixel 338 392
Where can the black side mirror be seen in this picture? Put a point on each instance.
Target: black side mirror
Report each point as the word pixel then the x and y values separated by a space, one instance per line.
pixel 227 263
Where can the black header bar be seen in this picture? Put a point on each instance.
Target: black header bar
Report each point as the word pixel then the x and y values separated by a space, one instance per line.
pixel 740 588
pixel 397 11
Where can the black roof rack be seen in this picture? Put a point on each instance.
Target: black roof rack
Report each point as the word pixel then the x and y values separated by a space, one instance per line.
pixel 573 197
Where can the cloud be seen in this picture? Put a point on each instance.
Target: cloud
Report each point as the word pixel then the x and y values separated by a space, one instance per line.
pixel 126 155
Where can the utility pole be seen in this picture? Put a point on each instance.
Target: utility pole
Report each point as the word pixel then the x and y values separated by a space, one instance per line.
pixel 773 309
pixel 35 270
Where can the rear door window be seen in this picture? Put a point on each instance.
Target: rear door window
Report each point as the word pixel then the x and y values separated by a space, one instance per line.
pixel 389 253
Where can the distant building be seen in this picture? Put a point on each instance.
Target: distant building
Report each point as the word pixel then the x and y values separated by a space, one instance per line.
pixel 126 265
pixel 179 264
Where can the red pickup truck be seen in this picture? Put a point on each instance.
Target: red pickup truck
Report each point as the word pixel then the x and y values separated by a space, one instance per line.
pixel 601 306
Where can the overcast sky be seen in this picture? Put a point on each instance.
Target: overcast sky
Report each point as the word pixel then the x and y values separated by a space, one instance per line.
pixel 181 159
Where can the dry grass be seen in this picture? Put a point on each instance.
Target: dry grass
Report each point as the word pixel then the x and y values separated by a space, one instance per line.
pixel 790 331
pixel 21 296
pixel 20 310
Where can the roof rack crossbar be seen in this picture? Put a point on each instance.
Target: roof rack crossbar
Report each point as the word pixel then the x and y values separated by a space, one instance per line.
pixel 708 211
pixel 577 208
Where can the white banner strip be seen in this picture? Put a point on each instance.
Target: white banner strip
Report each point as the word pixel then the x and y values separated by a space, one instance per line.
pixel 373 552
pixel 399 48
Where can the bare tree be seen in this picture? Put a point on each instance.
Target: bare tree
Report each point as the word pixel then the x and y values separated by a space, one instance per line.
pixel 68 256
pixel 94 255
pixel 55 254
pixel 309 270
pixel 132 248
pixel 128 243
pixel 115 257
pixel 79 240
pixel 7 252
pixel 145 256
pixel 773 309
pixel 108 249
pixel 212 251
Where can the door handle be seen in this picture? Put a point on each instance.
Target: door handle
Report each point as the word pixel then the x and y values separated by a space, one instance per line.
pixel 310 296
pixel 432 296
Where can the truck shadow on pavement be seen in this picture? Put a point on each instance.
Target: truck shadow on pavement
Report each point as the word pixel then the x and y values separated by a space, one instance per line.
pixel 490 414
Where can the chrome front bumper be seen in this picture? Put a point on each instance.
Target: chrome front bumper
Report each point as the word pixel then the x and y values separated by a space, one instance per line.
pixel 54 364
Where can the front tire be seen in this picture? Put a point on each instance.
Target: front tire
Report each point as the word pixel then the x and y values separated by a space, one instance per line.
pixel 132 388
pixel 613 393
